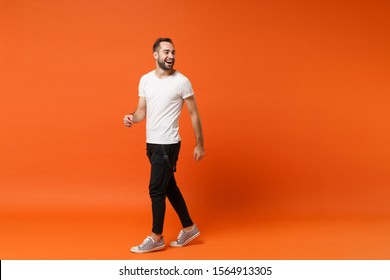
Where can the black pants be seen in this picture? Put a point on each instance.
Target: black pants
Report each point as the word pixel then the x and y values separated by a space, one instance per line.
pixel 163 184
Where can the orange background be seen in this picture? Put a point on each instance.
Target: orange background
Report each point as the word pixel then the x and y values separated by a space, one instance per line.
pixel 294 99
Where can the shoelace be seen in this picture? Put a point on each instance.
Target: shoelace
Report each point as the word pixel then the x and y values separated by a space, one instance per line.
pixel 146 241
pixel 180 235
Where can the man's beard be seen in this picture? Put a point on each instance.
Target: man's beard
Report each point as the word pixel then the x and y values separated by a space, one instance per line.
pixel 164 66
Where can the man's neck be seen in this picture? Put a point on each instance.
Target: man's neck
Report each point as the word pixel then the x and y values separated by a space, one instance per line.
pixel 162 74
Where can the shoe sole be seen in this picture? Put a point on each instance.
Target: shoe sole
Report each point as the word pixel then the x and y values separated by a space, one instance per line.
pixel 135 249
pixel 187 241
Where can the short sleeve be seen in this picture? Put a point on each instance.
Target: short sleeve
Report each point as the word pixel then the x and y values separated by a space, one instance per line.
pixel 141 87
pixel 187 90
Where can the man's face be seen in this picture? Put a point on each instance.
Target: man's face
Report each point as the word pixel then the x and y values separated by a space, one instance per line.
pixel 165 56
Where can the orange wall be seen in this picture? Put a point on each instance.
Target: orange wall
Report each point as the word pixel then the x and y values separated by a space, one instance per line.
pixel 294 98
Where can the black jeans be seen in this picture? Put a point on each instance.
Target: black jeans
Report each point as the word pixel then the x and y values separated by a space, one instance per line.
pixel 162 184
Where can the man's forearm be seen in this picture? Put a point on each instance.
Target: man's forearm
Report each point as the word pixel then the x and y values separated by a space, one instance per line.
pixel 197 125
pixel 138 116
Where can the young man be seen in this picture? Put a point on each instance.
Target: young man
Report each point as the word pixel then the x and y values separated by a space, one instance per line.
pixel 162 93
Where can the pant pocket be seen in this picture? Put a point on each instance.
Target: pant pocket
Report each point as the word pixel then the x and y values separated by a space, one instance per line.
pixel 154 154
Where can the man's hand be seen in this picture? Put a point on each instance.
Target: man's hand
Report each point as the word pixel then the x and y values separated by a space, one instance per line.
pixel 128 120
pixel 198 153
pixel 138 115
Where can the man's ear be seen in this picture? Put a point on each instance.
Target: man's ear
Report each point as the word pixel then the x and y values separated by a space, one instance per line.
pixel 155 55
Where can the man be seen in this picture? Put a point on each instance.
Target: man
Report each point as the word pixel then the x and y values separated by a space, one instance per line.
pixel 162 93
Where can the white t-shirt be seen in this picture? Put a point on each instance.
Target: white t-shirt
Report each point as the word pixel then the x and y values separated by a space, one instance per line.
pixel 164 101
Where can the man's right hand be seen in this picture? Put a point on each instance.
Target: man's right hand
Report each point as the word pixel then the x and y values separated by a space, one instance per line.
pixel 128 120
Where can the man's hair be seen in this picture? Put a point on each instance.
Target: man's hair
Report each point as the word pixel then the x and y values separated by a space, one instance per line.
pixel 156 44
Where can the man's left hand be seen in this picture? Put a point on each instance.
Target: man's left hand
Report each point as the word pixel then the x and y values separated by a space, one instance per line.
pixel 198 153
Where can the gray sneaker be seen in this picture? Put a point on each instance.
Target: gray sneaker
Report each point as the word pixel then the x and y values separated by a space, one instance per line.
pixel 186 237
pixel 149 245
